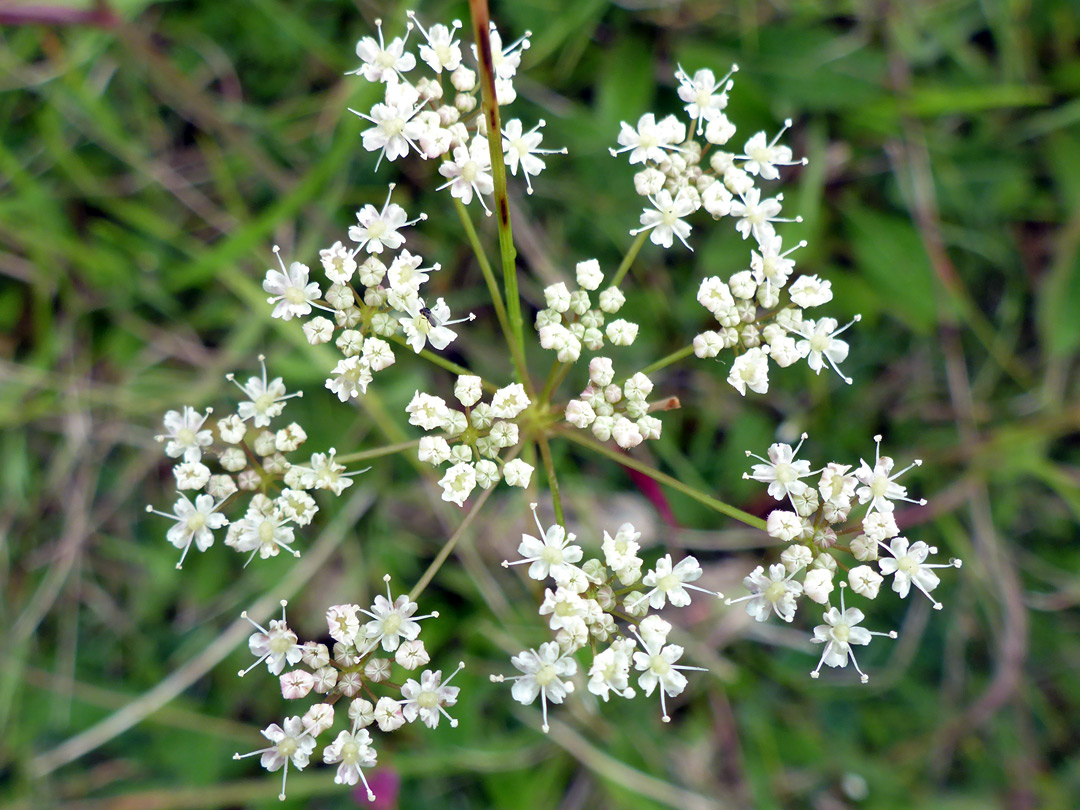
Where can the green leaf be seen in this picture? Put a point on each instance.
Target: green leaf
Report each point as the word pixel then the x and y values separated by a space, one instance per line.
pixel 890 254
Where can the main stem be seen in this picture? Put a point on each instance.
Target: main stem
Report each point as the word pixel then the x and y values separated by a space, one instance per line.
pixel 516 353
pixel 481 20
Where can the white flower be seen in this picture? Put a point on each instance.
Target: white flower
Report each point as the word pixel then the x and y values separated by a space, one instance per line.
pixel 434 450
pixel 379 230
pixel 557 297
pixel 579 414
pixel 427 411
pixel 819 341
pixel 750 370
pixel 626 433
pixel 719 130
pixel 611 300
pixel 388 711
pixel 350 378
pixel 185 435
pixel 863 548
pixel 763 156
pixel 838 634
pixel 509 401
pixel 517 473
pixel 656 662
pixel 521 149
pixel 353 750
pixel 396 126
pixel 442 51
pixel 620 553
pixel 191 475
pixel 757 215
pixel 566 608
pixel 290 292
pixel 293 743
pixel 775 593
pixel 818 584
pixel 265 400
pixel 458 482
pixel 391 620
pixel 665 218
pixel 383 63
pixel 546 672
pixel 338 263
pixel 880 526
pixel 262 533
pixel 429 325
pixel 412 654
pixel 770 266
pixel 469 172
pixel 715 295
pixel 670 584
pixel 810 291
pixel 468 389
pixel 588 274
pixel 621 332
pixel 650 139
pixel 297 684
pixel 319 330
pixel 610 670
pixel 780 470
pixel 195 523
pixel 703 102
pixel 425 699
pixel 795 557
pixel 343 622
pixel 277 646
pixel 879 488
pixel 552 555
pixel 505 60
pixel 782 525
pixel 908 566
pixel 865 581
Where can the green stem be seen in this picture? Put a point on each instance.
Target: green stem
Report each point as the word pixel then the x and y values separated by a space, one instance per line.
pixel 481 20
pixel 628 259
pixel 440 361
pixel 549 386
pixel 377 452
pixel 664 362
pixel 553 481
pixel 516 353
pixel 449 545
pixel 663 478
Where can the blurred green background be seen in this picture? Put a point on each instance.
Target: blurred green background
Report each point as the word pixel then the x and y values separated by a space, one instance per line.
pixel 151 154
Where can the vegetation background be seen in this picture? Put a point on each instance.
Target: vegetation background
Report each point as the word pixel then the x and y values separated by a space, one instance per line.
pixel 152 152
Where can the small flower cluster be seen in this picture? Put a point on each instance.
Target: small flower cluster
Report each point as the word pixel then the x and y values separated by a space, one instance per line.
pixel 759 316
pixel 613 411
pixel 473 438
pixel 252 459
pixel 813 530
pixel 419 116
pixel 569 321
pixel 584 610
pixel 353 670
pixel 370 302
